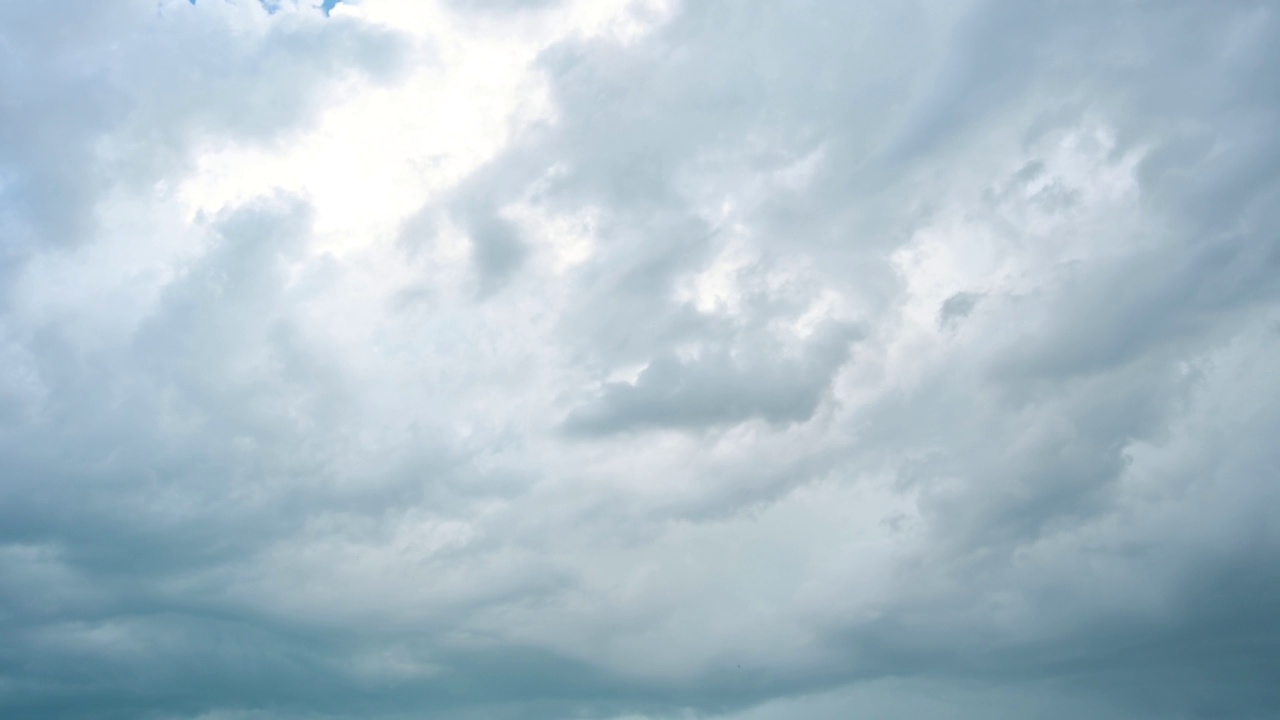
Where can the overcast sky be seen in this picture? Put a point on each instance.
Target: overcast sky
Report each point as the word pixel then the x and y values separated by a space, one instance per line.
pixel 639 359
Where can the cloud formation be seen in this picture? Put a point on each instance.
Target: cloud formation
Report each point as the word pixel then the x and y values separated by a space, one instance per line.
pixel 639 359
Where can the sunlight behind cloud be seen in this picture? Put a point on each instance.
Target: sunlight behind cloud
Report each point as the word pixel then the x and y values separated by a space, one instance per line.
pixel 381 151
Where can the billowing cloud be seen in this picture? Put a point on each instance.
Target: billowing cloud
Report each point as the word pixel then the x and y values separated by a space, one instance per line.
pixel 639 359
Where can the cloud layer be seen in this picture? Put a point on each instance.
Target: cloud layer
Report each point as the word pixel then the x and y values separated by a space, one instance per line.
pixel 639 359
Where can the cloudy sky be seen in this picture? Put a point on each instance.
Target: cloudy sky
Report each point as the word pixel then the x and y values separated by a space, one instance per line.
pixel 639 359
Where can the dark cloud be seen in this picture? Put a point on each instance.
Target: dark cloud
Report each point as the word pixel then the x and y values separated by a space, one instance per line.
pixel 715 388
pixel 957 307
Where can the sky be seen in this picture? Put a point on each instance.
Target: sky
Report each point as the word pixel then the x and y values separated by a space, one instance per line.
pixel 639 360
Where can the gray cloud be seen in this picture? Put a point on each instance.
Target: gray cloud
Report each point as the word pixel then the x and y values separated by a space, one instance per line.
pixel 121 95
pixel 801 360
pixel 716 389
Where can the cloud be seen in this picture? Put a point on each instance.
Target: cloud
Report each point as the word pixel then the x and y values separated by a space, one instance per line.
pixel 638 360
pixel 714 389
